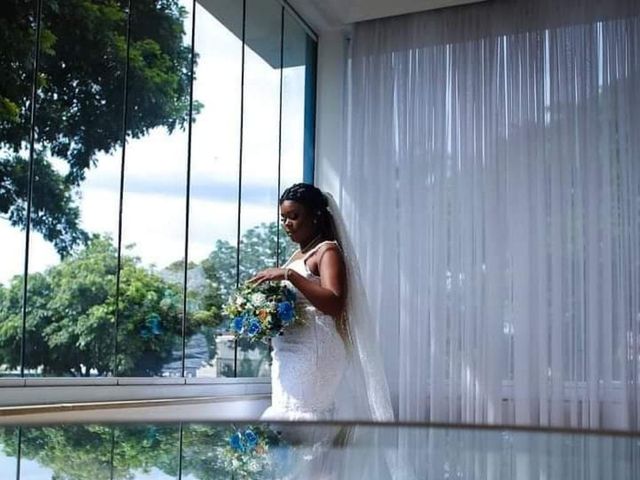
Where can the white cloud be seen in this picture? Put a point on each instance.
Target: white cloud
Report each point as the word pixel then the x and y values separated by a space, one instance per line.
pixel 41 253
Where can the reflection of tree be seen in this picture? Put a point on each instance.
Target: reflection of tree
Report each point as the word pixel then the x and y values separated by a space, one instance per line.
pixel 140 448
pixel 71 311
pixel 79 111
pixel 203 448
pixel 73 452
pixel 90 452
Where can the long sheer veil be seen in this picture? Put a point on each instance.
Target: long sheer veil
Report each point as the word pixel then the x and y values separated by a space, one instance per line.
pixel 364 393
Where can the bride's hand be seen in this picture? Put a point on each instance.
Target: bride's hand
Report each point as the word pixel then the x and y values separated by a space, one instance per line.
pixel 268 275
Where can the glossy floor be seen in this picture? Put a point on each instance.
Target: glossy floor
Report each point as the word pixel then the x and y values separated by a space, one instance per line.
pixel 193 451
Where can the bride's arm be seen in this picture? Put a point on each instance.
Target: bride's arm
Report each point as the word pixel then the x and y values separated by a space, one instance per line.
pixel 329 296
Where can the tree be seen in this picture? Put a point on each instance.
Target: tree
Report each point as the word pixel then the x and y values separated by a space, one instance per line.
pixel 258 247
pixel 258 250
pixel 79 109
pixel 71 316
pixel 72 308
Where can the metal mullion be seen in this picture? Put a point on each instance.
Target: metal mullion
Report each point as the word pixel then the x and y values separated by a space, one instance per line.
pixel 188 189
pixel 121 197
pixel 280 137
pixel 180 446
pixel 301 21
pixel 113 451
pixel 19 453
pixel 310 96
pixel 32 140
pixel 244 28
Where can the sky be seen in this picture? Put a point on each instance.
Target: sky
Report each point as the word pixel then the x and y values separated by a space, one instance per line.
pixel 32 470
pixel 155 165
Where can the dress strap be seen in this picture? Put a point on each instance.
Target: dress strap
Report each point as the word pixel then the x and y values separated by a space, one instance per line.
pixel 290 258
pixel 316 248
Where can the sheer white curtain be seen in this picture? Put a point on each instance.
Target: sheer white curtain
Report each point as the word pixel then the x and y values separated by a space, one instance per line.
pixel 492 184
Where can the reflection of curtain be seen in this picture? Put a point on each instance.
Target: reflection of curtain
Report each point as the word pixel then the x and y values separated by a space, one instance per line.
pixel 520 455
pixel 492 180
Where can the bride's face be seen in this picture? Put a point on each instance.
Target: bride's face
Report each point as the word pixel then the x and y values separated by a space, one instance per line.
pixel 297 221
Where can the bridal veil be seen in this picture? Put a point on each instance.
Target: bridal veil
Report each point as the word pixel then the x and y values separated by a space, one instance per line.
pixel 364 392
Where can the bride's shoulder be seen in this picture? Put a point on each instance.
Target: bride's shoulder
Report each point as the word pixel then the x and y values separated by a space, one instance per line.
pixel 330 247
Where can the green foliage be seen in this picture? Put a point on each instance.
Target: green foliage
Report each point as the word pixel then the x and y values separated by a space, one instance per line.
pixel 80 102
pixel 84 452
pixel 258 250
pixel 54 212
pixel 88 452
pixel 72 308
pixel 76 452
pixel 91 452
pixel 178 266
pixel 71 316
pixel 203 446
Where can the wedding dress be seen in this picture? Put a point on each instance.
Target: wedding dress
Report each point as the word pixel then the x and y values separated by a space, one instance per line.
pixel 309 360
pixel 318 375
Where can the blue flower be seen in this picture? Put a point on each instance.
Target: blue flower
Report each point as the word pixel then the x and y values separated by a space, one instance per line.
pixel 289 295
pixel 235 441
pixel 237 324
pixel 285 312
pixel 251 439
pixel 254 327
pixel 153 322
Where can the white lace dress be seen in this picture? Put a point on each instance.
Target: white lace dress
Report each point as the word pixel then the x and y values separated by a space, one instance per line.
pixel 308 361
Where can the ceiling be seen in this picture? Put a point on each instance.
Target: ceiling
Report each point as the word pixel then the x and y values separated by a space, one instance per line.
pixel 261 27
pixel 330 14
pixel 261 24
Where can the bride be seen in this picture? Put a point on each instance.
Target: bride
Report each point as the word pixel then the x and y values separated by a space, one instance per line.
pixel 327 367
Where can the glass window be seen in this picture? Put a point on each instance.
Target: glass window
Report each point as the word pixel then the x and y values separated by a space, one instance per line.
pixel 8 451
pixel 295 86
pixel 215 165
pixel 260 158
pixel 17 21
pixel 78 125
pixel 150 303
pixel 143 177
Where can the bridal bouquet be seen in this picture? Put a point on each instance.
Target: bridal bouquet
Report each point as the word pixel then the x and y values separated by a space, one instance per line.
pixel 248 452
pixel 262 311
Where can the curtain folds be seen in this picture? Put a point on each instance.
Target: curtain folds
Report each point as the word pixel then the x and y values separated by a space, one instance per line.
pixel 492 184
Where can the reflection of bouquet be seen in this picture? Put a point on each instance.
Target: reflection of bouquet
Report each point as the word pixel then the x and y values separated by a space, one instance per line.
pixel 262 311
pixel 247 454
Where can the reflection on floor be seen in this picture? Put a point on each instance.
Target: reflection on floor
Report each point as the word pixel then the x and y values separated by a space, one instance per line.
pixel 179 449
pixel 243 408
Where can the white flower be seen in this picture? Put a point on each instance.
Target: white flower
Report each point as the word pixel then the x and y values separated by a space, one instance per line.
pixel 257 299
